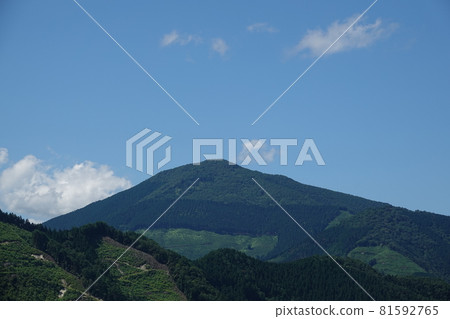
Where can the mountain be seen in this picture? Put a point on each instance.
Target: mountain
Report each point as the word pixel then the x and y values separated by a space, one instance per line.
pixel 42 264
pixel 226 208
pixel 225 199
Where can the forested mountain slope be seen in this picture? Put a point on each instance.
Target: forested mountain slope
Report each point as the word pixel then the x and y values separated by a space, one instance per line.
pixel 226 209
pixel 42 264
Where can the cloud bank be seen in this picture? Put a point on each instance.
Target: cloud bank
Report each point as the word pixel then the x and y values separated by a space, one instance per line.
pixel 40 192
pixel 359 36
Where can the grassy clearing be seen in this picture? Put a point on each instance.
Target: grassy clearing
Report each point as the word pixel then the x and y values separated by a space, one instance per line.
pixel 195 244
pixel 150 285
pixel 386 260
pixel 137 278
pixel 343 216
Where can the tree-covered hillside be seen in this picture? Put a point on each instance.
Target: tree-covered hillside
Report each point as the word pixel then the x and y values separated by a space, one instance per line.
pixel 146 272
pixel 27 273
pixel 240 277
pixel 42 264
pixel 224 197
pixel 226 202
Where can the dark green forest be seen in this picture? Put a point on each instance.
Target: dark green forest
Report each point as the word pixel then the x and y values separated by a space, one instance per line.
pixel 76 251
pixel 239 277
pixel 82 254
pixel 226 201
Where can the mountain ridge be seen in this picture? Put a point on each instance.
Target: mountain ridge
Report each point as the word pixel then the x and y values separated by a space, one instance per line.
pixel 226 201
pixel 186 174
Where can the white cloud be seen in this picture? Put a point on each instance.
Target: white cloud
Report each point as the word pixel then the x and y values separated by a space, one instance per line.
pixel 175 38
pixel 261 27
pixel 267 153
pixel 41 192
pixel 169 38
pixel 219 45
pixel 359 36
pixel 3 155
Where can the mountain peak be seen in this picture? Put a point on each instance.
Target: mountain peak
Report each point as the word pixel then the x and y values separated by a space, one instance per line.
pixel 225 190
pixel 226 201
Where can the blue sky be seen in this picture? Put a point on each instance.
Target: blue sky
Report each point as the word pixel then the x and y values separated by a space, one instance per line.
pixel 377 104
